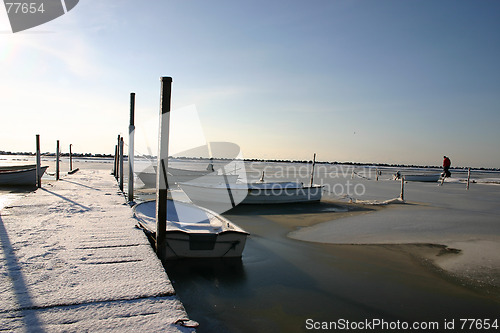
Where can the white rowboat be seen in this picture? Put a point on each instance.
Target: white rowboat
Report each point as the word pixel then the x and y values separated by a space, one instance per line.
pixel 193 231
pixel 251 193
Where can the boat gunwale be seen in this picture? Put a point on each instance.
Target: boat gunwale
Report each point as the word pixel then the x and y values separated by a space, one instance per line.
pixel 42 168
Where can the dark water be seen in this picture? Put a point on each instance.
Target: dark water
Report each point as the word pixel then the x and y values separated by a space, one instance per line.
pixel 280 283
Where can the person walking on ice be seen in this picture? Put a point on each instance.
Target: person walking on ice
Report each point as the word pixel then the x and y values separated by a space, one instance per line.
pixel 446 167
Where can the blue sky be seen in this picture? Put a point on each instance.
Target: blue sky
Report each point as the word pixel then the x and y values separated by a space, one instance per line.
pixel 363 81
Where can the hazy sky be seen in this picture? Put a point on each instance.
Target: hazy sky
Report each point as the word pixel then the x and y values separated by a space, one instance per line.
pixel 363 81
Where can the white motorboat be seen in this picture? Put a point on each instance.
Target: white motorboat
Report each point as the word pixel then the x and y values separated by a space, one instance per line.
pixel 176 176
pixel 23 175
pixel 218 195
pixel 193 231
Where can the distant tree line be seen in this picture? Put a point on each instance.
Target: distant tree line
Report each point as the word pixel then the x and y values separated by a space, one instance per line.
pixel 336 163
pixel 54 154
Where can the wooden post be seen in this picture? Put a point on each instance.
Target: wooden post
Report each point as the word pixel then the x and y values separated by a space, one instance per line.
pixel 115 162
pixel 57 160
pixel 376 171
pixel 117 159
pixel 131 129
pixel 121 164
pixel 402 195
pixel 161 174
pixel 70 159
pixel 312 171
pixel 468 178
pixel 38 163
pixel 113 171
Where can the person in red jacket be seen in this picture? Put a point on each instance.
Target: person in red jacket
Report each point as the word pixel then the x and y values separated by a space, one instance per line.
pixel 446 166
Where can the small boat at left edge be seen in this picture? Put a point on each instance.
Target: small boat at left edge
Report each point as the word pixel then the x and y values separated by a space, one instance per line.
pixel 193 231
pixel 22 175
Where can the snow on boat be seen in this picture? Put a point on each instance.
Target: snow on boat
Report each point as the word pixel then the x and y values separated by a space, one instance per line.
pixel 193 231
pixel 24 175
pixel 251 193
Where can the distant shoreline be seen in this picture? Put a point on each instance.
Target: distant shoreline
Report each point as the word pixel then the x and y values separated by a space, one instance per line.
pixel 91 155
pixel 53 154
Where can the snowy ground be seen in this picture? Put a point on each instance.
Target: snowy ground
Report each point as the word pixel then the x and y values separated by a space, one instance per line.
pixel 72 260
pixel 467 222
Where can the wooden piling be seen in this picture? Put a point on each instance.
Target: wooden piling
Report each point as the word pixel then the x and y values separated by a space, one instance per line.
pixel 115 162
pixel 376 172
pixel 38 163
pixel 121 165
pixel 312 171
pixel 117 157
pixel 57 160
pixel 70 159
pixel 161 174
pixel 468 177
pixel 402 195
pixel 131 129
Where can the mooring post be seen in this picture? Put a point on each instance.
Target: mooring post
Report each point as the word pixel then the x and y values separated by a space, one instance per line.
pixel 114 161
pixel 468 178
pixel 117 157
pixel 70 159
pixel 312 171
pixel 57 160
pixel 131 129
pixel 38 163
pixel 121 164
pixel 402 195
pixel 162 165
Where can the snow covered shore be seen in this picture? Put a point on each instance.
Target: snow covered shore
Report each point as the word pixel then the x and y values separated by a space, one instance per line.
pixel 72 260
pixel 465 222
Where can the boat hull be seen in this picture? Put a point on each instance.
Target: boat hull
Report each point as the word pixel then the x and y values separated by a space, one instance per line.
pixel 284 195
pixel 22 177
pixel 149 178
pixel 217 197
pixel 227 244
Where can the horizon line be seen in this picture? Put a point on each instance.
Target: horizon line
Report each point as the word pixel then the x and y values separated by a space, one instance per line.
pixel 384 164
